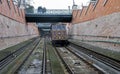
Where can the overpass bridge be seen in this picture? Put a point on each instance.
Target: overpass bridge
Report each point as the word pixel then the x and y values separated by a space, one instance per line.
pixel 51 15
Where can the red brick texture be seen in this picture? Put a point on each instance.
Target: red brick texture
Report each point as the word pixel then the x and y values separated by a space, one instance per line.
pixel 94 11
pixel 10 10
pixel 13 27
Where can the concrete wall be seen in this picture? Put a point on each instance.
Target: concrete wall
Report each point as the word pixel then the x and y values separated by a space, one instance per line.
pixel 99 27
pixel 13 28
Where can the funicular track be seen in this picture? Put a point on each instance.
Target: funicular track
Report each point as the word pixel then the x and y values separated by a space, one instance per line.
pixel 7 60
pixel 10 57
pixel 44 58
pixel 26 58
pixel 64 63
pixel 110 65
pixel 70 69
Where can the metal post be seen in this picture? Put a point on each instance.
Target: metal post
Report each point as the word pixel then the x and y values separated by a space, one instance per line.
pixel 69 8
pixel 73 2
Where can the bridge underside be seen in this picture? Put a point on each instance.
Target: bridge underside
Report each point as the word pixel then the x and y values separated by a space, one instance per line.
pixel 48 18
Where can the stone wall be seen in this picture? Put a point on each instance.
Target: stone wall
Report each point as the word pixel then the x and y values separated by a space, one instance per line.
pixel 98 24
pixel 103 32
pixel 13 32
pixel 13 27
pixel 8 9
pixel 96 10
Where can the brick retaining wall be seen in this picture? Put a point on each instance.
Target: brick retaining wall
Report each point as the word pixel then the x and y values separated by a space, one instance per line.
pixel 99 25
pixel 13 27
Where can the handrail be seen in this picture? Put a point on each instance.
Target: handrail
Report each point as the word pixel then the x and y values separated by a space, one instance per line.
pixel 55 11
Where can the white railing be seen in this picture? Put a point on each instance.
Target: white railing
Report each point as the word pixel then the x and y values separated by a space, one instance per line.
pixel 55 11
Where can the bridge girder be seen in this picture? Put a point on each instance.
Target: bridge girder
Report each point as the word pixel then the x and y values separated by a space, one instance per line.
pixel 43 18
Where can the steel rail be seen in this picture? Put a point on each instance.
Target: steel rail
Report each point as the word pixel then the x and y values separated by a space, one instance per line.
pixel 35 45
pixel 70 71
pixel 10 57
pixel 44 58
pixel 106 60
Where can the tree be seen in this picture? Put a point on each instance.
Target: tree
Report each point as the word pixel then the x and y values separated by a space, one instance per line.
pixel 19 3
pixel 41 9
pixel 29 9
pixel 44 10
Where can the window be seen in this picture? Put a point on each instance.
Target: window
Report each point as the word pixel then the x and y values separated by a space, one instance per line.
pixel 14 5
pixel 0 1
pixel 93 0
pixel 18 11
pixel 76 14
pixel 105 1
pixel 8 1
pixel 14 8
pixel 95 4
pixel 15 2
pixel 87 10
pixel 80 12
pixel 21 13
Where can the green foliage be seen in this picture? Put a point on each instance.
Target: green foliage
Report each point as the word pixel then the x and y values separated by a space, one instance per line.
pixel 29 9
pixel 41 9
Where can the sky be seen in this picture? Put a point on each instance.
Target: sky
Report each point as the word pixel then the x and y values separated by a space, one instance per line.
pixel 58 4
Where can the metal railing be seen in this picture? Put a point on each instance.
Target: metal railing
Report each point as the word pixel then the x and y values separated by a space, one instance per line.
pixel 55 11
